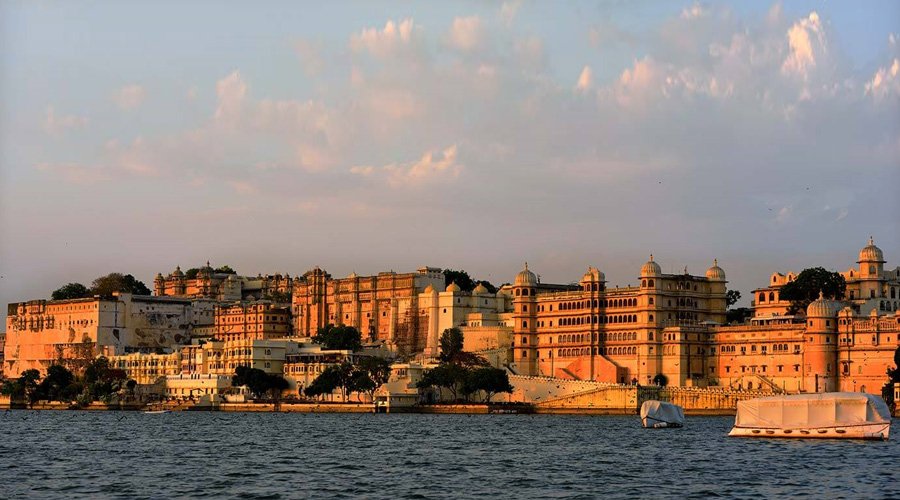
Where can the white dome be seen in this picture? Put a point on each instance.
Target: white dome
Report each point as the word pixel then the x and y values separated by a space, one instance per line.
pixel 715 273
pixel 525 277
pixel 651 268
pixel 823 308
pixel 480 289
pixel 453 287
pixel 871 253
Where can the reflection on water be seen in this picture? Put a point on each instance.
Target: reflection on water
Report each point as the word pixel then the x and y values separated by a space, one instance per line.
pixel 130 455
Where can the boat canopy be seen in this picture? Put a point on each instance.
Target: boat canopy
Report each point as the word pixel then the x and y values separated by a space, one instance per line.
pixel 660 411
pixel 827 409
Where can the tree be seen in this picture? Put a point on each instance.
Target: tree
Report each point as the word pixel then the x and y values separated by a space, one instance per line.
pixel 808 284
pixel 887 392
pixel 191 273
pixel 445 375
pixel 732 297
pixel 488 380
pixel 451 344
pixel 101 381
pixel 339 337
pixel 58 385
pixel 738 315
pixel 71 291
pixel 29 381
pixel 377 370
pixel 105 286
pixel 225 270
pixel 325 383
pixel 661 380
pixel 464 281
pixel 279 297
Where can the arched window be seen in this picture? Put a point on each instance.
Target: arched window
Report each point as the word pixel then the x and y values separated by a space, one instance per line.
pixel 771 296
pixel 650 283
pixel 644 283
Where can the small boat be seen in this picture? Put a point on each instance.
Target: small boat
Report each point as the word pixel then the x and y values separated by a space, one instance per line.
pixel 660 415
pixel 828 415
pixel 157 412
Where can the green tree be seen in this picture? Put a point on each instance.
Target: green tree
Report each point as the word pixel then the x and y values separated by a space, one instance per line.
pixel 58 385
pixel 732 297
pixel 101 381
pixel 105 286
pixel 808 284
pixel 225 270
pixel 739 315
pixel 191 273
pixel 661 380
pixel 488 380
pixel 325 383
pixel 258 382
pixel 376 369
pixel 279 297
pixel 444 376
pixel 339 337
pixel 887 392
pixel 451 342
pixel 464 281
pixel 29 381
pixel 71 291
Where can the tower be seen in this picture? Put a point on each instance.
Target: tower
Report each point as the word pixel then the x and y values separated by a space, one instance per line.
pixel 820 352
pixel 871 271
pixel 525 354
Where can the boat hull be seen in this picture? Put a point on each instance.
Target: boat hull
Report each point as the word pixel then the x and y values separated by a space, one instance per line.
pixel 874 431
pixel 651 423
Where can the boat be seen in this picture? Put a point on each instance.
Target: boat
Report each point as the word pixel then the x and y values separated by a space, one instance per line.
pixel 660 415
pixel 828 415
pixel 157 412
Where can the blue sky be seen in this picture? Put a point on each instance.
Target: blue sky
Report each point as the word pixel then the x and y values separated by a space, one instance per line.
pixel 365 136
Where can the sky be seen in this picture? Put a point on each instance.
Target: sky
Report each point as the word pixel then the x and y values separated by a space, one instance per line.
pixel 373 136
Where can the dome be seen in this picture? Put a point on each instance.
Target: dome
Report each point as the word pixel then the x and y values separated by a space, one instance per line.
pixel 177 273
pixel 525 277
pixel 429 289
pixel 715 272
pixel 593 275
pixel 159 277
pixel 823 308
pixel 871 253
pixel 480 289
pixel 453 287
pixel 651 268
pixel 353 275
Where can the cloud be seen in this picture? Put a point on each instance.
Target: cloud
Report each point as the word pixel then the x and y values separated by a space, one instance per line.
pixel 433 166
pixel 58 124
pixel 129 97
pixel 466 33
pixel 393 38
pixel 695 11
pixel 310 55
pixel 231 92
pixel 243 187
pixel 885 82
pixel 806 39
pixel 585 80
pixel 508 11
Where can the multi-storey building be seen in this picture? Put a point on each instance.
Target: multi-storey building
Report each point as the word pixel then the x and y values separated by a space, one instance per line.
pixel 147 368
pixel 208 283
pixel 383 307
pixel 869 286
pixel 40 332
pixel 261 320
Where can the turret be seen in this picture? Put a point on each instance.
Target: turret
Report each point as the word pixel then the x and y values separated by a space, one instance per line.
pixel 525 328
pixel 820 357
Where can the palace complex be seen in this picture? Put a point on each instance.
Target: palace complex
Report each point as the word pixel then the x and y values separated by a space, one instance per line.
pixel 194 331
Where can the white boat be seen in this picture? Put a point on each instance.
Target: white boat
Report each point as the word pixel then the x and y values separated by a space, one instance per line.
pixel 659 415
pixel 828 415
pixel 157 412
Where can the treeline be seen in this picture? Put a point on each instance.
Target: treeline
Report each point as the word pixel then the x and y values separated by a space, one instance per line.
pixel 103 286
pixel 363 374
pixel 99 382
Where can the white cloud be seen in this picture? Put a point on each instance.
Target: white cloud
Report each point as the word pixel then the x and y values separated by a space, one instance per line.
pixel 466 33
pixel 695 11
pixel 433 166
pixel 384 42
pixel 57 124
pixel 508 11
pixel 806 41
pixel 885 82
pixel 585 80
pixel 129 97
pixel 231 92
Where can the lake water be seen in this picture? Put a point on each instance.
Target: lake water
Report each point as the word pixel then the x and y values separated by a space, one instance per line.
pixel 264 455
